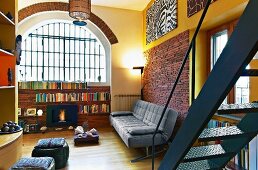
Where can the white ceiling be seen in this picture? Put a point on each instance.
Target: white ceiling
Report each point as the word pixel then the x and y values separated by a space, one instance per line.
pixel 138 5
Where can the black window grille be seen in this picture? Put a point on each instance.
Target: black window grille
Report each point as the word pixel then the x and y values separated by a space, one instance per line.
pixel 61 51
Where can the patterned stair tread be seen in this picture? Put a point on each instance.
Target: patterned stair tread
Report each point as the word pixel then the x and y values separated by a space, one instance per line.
pixel 238 108
pixel 206 152
pixel 198 165
pixel 221 133
pixel 250 72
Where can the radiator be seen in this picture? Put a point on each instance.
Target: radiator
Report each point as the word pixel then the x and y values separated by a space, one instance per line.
pixel 124 102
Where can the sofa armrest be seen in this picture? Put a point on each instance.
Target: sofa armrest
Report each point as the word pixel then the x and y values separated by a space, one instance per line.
pixel 121 113
pixel 143 130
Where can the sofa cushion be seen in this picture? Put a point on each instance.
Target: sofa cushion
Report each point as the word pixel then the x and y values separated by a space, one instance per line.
pixel 121 113
pixel 139 109
pixel 169 124
pixel 153 114
pixel 143 130
pixel 127 121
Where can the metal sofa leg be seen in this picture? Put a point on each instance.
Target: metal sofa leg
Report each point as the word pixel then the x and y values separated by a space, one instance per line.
pixel 148 155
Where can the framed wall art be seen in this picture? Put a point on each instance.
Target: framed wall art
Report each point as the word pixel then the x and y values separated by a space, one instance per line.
pixel 161 18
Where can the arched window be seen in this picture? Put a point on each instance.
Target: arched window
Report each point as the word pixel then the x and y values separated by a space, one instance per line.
pixel 60 51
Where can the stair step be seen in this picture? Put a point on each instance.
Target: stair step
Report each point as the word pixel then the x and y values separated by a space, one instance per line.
pixel 238 108
pixel 206 152
pixel 221 133
pixel 250 72
pixel 198 165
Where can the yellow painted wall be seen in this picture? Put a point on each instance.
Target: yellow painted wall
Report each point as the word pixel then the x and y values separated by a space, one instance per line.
pixel 253 82
pixel 221 11
pixel 127 26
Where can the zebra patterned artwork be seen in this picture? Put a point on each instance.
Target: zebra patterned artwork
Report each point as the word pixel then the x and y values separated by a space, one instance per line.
pixel 161 18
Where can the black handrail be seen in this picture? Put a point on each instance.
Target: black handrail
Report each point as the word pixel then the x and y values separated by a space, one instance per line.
pixel 178 76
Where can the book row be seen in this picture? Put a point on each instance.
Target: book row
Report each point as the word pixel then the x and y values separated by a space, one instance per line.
pixel 33 85
pixel 102 108
pixel 72 97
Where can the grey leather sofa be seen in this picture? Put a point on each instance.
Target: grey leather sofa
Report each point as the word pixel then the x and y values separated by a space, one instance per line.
pixel 136 127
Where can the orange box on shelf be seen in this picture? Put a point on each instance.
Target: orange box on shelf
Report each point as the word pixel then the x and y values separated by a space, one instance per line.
pixel 6 62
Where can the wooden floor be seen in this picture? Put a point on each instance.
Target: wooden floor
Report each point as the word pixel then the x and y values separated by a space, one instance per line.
pixel 110 154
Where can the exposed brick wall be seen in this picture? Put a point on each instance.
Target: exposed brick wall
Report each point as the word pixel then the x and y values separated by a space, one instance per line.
pixel 61 6
pixel 163 63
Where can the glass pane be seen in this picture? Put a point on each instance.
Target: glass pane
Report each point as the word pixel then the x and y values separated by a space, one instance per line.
pixel 219 41
pixel 45 74
pixel 242 90
pixel 40 73
pixel 62 74
pixel 56 74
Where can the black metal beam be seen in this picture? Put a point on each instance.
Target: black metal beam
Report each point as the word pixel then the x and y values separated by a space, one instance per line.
pixel 238 52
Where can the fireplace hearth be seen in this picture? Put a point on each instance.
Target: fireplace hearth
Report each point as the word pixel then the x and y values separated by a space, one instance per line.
pixel 62 115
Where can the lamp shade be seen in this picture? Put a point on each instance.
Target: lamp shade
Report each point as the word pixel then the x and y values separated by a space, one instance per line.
pixel 80 9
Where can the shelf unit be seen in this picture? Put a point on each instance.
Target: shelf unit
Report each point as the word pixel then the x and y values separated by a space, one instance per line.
pixel 27 99
pixel 8 99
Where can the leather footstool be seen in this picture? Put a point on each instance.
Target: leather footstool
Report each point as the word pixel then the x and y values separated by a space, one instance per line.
pixel 39 163
pixel 53 147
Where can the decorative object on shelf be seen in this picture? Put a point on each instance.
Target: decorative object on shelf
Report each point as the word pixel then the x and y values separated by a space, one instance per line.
pixel 78 130
pixel 31 112
pixel 161 18
pixel 10 127
pixel 43 128
pixel 9 15
pixel 80 10
pixel 18 49
pixel 85 126
pixel 99 78
pixel 70 128
pixel 10 76
pixel 19 111
pixel 40 112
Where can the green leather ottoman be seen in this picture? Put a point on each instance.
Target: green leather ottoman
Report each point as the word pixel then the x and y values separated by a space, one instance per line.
pixel 53 147
pixel 39 163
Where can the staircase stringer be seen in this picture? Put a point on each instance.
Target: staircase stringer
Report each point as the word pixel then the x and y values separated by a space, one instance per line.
pixel 238 52
pixel 234 145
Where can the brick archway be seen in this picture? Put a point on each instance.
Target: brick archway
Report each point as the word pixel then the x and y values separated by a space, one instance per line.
pixel 61 6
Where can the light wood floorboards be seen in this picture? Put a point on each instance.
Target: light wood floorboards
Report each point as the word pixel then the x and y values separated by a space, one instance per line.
pixel 110 154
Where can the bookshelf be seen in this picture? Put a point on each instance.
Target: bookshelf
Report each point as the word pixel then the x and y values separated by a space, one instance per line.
pixel 93 101
pixel 8 92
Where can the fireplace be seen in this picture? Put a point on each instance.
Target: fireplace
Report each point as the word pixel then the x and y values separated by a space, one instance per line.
pixel 62 115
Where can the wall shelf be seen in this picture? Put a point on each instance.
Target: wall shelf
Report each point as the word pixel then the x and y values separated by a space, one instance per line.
pixel 7 87
pixel 5 53
pixel 5 20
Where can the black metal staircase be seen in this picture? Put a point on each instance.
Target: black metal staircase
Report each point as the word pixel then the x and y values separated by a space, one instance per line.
pixel 239 51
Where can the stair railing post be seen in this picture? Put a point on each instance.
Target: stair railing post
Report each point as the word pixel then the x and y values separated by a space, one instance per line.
pixel 178 76
pixel 193 71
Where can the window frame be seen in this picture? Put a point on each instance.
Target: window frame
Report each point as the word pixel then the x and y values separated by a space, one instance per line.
pixel 230 28
pixel 99 40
